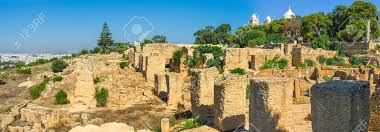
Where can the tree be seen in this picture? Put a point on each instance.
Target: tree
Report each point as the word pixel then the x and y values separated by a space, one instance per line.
pixel 205 36
pixel 292 29
pixel 252 38
pixel 222 34
pixel 159 39
pixel 338 18
pixel 212 35
pixel 321 42
pixel 58 65
pixel 314 25
pixel 105 39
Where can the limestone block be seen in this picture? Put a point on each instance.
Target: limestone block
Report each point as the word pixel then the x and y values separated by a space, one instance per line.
pixel 230 102
pixel 202 93
pixel 154 65
pixel 236 57
pixel 38 114
pixel 270 99
pixel 340 106
pixel 175 88
pixel 165 124
pixel 160 87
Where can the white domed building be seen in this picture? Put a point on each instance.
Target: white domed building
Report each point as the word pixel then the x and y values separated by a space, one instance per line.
pixel 289 14
pixel 267 20
pixel 254 20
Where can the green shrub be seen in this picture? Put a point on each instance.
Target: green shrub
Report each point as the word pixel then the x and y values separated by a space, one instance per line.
pixel 96 50
pixel 24 70
pixel 19 64
pixel 58 65
pixel 309 62
pixel 357 60
pixel 35 92
pixel 336 61
pixel 57 78
pixel 46 79
pixel 238 71
pixel 189 124
pixel 156 127
pixel 38 62
pixel 321 42
pixel 177 55
pixel 197 60
pixel 301 66
pixel 3 74
pixel 322 59
pixel 327 78
pixel 83 52
pixel 61 97
pixel 101 96
pixel 124 64
pixel 276 62
pixel 97 80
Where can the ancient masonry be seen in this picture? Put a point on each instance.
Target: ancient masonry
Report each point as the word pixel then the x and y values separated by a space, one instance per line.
pixel 229 104
pixel 175 89
pixel 340 106
pixel 202 93
pixel 374 124
pixel 41 115
pixel 83 96
pixel 270 99
pixel 154 64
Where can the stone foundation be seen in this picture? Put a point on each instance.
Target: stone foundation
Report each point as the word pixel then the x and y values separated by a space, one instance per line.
pixel 47 117
pixel 270 99
pixel 229 102
pixel 340 106
pixel 202 93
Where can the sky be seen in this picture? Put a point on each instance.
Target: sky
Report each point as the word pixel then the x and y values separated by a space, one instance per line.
pixel 60 26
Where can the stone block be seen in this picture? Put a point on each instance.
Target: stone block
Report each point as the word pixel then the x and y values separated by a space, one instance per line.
pixel 175 89
pixel 230 102
pixel 160 87
pixel 270 99
pixel 340 106
pixel 202 93
pixel 154 65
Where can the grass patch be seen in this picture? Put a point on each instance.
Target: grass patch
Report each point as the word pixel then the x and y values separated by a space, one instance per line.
pixel 238 71
pixel 97 80
pixel 61 98
pixel 35 92
pixel 57 78
pixel 24 70
pixel 189 124
pixel 101 96
pixel 124 64
pixel 327 78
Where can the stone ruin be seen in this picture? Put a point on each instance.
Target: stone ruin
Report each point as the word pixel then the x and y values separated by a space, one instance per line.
pixel 270 99
pixel 374 124
pixel 340 106
pixel 202 93
pixel 229 105
pixel 84 92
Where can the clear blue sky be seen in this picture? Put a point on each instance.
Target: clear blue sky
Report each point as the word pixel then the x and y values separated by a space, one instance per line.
pixel 71 25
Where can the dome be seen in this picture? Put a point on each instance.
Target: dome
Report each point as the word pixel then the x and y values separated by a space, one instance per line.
pixel 254 20
pixel 268 20
pixel 289 14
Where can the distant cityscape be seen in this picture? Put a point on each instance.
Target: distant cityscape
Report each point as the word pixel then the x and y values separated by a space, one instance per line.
pixel 27 58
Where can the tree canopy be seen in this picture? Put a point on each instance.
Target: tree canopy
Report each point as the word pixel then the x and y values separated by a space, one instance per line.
pixel 105 39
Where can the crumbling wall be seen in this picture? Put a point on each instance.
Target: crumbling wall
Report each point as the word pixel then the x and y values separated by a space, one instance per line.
pixel 340 106
pixel 235 57
pixel 175 89
pixel 84 91
pixel 154 64
pixel 300 53
pixel 160 87
pixel 270 99
pixel 49 118
pixel 202 93
pixel 229 102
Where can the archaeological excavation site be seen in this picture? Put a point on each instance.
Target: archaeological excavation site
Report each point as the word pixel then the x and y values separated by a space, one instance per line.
pixel 172 87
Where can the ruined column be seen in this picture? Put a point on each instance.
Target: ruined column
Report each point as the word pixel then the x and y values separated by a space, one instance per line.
pixel 175 85
pixel 270 99
pixel 230 102
pixel 374 124
pixel 165 125
pixel 340 106
pixel 160 87
pixel 154 64
pixel 202 93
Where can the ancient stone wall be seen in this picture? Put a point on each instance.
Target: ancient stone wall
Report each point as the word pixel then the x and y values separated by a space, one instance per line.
pixel 202 93
pixel 154 64
pixel 270 99
pixel 374 124
pixel 160 87
pixel 165 50
pixel 175 89
pixel 299 54
pixel 356 48
pixel 340 106
pixel 84 91
pixel 248 58
pixel 229 102
pixel 49 118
